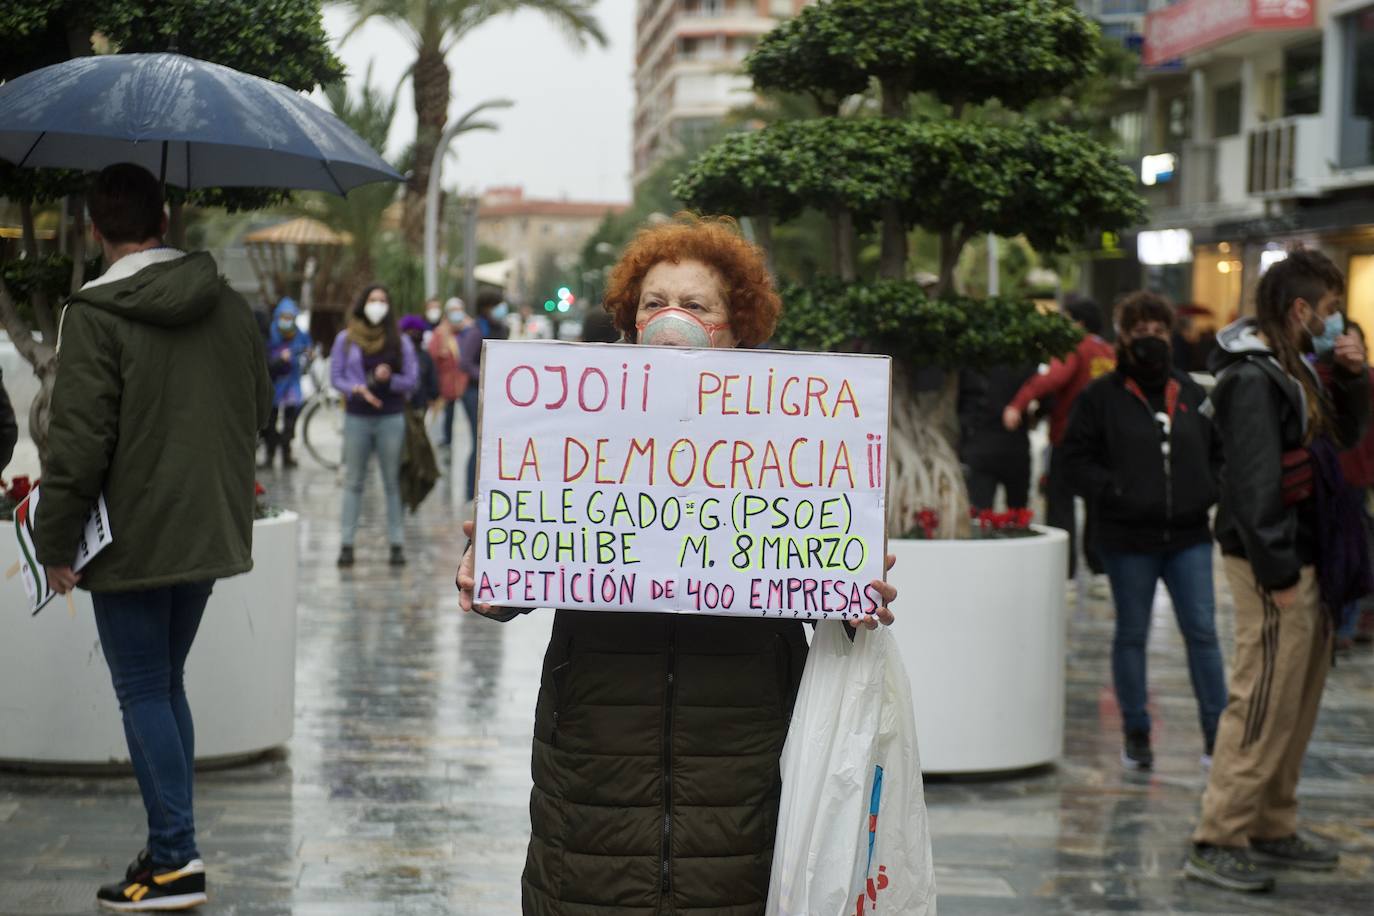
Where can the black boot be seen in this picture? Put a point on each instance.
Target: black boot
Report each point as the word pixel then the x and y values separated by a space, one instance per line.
pixel 286 460
pixel 345 557
pixel 266 463
pixel 398 555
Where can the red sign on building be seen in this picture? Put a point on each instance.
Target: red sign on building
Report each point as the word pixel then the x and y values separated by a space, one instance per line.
pixel 1192 25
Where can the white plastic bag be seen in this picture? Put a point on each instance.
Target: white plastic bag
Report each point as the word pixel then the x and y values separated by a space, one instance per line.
pixel 852 833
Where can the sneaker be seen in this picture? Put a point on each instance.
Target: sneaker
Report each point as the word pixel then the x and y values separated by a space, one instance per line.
pixel 1294 852
pixel 155 887
pixel 398 555
pixel 1206 760
pixel 1137 754
pixel 1227 867
pixel 345 557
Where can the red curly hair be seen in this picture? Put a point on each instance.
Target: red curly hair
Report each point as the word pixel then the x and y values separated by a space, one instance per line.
pixel 748 286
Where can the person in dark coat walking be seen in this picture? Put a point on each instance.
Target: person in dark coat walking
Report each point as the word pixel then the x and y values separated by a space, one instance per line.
pixel 657 737
pixel 991 454
pixel 1276 418
pixel 1140 447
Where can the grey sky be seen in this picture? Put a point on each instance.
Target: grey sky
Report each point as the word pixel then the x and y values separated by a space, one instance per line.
pixel 569 132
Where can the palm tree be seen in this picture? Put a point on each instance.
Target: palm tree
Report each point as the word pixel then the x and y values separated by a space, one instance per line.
pixel 433 28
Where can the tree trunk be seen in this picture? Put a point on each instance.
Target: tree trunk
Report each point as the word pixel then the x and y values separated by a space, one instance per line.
pixel 923 467
pixel 892 264
pixel 78 247
pixel 432 93
pixel 42 357
pixel 42 307
pixel 842 242
pixel 763 236
pixel 26 224
pixel 176 223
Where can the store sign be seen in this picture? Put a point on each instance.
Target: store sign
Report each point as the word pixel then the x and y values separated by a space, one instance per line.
pixel 1190 26
pixel 1161 247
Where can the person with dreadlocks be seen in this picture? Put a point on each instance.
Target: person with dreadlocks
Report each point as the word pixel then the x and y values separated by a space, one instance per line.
pixel 1280 427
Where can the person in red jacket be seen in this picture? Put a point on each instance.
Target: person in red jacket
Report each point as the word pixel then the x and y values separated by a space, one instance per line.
pixel 1065 380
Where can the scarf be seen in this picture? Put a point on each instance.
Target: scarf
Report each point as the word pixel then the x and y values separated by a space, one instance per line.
pixel 368 338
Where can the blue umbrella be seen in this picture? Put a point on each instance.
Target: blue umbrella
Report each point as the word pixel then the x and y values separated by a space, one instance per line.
pixel 194 123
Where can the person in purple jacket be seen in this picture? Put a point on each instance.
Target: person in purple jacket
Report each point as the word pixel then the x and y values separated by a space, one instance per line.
pixel 373 366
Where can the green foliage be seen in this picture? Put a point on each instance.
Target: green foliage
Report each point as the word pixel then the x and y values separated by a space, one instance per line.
pixel 402 273
pixel 50 274
pixel 964 51
pixel 282 40
pixel 797 58
pixel 895 317
pixel 1044 181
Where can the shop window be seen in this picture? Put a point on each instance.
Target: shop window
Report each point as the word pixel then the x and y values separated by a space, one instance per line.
pixel 1226 111
pixel 1302 79
pixel 1129 127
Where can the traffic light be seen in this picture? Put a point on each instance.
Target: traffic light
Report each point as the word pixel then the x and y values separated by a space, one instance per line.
pixel 549 305
pixel 565 299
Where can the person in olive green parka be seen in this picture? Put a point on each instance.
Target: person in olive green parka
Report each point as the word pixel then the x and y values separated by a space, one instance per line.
pixel 161 391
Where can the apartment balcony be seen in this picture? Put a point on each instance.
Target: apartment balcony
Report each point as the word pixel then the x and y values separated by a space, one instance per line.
pixel 1285 158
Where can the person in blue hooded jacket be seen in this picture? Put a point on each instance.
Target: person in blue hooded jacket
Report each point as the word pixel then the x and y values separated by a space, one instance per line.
pixel 288 350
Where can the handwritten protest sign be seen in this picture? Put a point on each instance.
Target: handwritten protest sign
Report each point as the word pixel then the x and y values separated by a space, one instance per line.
pixel 734 482
pixel 95 538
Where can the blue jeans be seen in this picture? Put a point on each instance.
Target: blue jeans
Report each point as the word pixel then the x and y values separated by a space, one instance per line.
pixel 470 408
pixel 1187 573
pixel 146 637
pixel 447 437
pixel 386 436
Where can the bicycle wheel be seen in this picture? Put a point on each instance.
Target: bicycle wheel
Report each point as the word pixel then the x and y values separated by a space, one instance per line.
pixel 322 431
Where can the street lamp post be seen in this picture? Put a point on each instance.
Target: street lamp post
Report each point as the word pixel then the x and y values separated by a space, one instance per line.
pixel 464 124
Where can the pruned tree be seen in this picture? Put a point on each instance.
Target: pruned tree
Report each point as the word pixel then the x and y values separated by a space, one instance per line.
pixel 973 166
pixel 282 40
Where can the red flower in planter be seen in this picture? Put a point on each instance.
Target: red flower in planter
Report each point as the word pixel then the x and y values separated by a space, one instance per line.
pixel 928 520
pixel 258 489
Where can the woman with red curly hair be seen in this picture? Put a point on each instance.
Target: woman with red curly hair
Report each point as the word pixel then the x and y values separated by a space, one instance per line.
pixel 657 736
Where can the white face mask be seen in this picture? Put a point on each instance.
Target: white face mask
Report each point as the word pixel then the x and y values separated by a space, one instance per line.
pixel 375 311
pixel 433 315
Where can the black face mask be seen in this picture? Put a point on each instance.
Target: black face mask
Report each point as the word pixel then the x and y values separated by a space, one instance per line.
pixel 1151 360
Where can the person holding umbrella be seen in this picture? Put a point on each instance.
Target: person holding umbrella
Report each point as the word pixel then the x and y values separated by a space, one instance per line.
pixel 150 350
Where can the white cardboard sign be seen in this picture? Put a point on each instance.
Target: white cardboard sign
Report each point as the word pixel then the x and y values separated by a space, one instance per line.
pixel 633 478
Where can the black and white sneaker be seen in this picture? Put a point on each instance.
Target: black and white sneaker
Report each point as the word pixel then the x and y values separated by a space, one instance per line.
pixel 1227 867
pixel 1137 754
pixel 150 888
pixel 1294 852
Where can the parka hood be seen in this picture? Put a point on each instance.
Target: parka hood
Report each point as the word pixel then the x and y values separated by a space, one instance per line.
pixel 170 291
pixel 1235 342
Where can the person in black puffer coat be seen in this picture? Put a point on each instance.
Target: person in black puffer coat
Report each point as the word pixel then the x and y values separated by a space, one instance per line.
pixel 1142 450
pixel 657 737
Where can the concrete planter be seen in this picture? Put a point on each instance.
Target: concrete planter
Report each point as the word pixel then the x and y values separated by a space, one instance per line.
pixel 56 702
pixel 982 629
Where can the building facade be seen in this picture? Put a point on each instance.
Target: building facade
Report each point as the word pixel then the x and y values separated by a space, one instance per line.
pixel 1252 129
pixel 687 69
pixel 532 232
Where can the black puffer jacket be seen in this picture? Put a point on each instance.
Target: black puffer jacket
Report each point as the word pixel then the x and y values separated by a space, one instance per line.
pixel 1148 498
pixel 9 427
pixel 1261 414
pixel 656 746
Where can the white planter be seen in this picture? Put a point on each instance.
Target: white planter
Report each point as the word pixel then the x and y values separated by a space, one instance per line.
pixel 56 701
pixel 982 629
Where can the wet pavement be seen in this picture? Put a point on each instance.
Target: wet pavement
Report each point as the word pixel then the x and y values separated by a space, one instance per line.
pixel 404 790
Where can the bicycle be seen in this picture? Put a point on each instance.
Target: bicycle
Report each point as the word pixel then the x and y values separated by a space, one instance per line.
pixel 322 418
